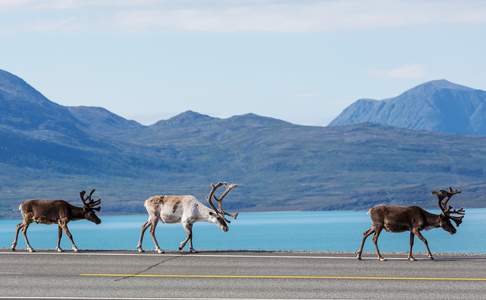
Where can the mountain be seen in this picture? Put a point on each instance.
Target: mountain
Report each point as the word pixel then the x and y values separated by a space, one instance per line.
pixel 193 128
pixel 38 133
pixel 25 109
pixel 187 118
pixel 102 121
pixel 438 106
pixel 279 165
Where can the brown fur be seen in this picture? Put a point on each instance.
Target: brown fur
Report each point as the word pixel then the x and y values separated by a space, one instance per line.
pixel 50 211
pixel 400 219
pixel 176 205
pixel 57 212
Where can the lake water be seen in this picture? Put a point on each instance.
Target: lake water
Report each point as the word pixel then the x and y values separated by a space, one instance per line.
pixel 335 231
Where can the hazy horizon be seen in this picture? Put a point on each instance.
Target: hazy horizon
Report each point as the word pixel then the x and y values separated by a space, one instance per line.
pixel 156 117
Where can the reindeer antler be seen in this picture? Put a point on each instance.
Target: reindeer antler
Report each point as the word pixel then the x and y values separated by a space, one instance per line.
pixel 214 187
pixel 443 197
pixel 456 215
pixel 89 202
pixel 229 188
pixel 212 194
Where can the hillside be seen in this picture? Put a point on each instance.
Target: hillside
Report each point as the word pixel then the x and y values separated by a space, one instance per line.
pixel 279 165
pixel 438 106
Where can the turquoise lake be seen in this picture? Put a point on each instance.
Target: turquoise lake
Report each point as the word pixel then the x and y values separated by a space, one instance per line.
pixel 334 231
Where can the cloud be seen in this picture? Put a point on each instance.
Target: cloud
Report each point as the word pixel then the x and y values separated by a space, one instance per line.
pixel 252 15
pixel 412 71
pixel 72 4
pixel 6 4
pixel 57 25
pixel 299 16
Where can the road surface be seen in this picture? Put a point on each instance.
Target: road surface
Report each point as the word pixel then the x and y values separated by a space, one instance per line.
pixel 240 275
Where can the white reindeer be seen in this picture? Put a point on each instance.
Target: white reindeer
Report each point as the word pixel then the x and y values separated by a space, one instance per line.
pixel 187 210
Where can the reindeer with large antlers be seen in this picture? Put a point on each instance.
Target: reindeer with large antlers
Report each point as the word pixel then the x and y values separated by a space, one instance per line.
pixel 187 210
pixel 413 219
pixel 57 212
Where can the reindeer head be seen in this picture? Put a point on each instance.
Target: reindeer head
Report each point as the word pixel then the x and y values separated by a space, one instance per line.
pixel 448 212
pixel 218 214
pixel 90 206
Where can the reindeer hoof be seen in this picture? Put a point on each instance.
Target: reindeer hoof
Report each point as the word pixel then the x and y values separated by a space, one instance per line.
pixel 159 251
pixel 13 247
pixel 75 250
pixel 59 250
pixel 431 257
pixel 140 250
pixel 192 250
pixel 382 259
pixel 30 250
pixel 411 258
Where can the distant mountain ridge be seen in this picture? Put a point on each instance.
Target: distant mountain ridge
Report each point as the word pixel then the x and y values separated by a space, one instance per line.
pixel 48 150
pixel 439 106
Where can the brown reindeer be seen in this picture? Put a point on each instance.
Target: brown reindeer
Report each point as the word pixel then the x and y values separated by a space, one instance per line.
pixel 57 212
pixel 413 219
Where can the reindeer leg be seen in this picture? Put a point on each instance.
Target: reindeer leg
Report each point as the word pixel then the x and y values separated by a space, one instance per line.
pixel 59 237
pixel 366 234
pixel 17 230
pixel 410 254
pixel 70 236
pixel 188 229
pixel 375 241
pixel 421 237
pixel 24 232
pixel 191 248
pixel 153 225
pixel 142 233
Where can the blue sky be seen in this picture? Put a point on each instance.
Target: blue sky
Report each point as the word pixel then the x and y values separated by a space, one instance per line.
pixel 302 61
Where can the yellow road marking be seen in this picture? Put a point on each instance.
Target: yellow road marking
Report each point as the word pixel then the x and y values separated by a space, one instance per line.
pixel 216 276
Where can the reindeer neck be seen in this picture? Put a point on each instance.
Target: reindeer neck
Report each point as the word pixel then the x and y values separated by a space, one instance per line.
pixel 433 220
pixel 204 212
pixel 77 213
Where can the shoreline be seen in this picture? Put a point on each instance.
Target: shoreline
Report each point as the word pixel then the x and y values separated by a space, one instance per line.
pixel 256 253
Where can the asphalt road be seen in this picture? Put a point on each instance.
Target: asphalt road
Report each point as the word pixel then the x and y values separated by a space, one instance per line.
pixel 243 275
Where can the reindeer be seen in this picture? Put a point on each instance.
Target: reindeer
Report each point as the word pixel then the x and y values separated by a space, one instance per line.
pixel 187 210
pixel 57 212
pixel 413 219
